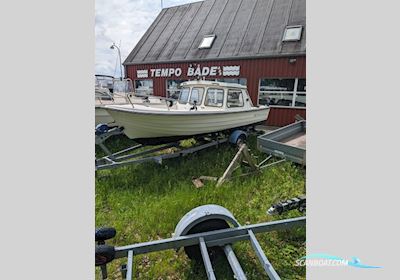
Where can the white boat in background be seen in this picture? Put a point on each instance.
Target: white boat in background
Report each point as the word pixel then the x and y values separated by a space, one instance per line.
pixel 203 107
pixel 104 95
pixel 110 91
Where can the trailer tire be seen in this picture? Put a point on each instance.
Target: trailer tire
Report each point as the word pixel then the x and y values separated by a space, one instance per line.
pixel 105 233
pixel 193 252
pixel 241 140
pixel 238 137
pixel 104 254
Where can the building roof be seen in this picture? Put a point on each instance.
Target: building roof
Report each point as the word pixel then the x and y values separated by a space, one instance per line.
pixel 243 29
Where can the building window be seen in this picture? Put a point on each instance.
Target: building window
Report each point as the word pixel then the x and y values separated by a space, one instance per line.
pixel 301 93
pixel 143 87
pixel 292 33
pixel 196 96
pixel 214 97
pixel 235 81
pixel 173 88
pixel 207 42
pixel 241 81
pixel 282 92
pixel 234 99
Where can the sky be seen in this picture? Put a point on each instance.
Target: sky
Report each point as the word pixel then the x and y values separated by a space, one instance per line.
pixel 123 22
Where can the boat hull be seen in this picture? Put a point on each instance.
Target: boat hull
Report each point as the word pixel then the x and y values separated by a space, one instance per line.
pixel 138 125
pixel 102 116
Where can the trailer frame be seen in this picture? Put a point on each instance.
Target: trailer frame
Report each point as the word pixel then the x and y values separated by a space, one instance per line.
pixel 223 238
pixel 140 153
pixel 273 143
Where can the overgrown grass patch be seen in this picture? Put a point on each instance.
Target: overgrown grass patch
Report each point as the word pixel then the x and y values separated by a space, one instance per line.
pixel 145 202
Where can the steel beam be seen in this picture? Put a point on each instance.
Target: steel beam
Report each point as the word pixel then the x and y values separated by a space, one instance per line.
pixel 206 260
pixel 269 269
pixel 211 236
pixel 128 149
pixel 234 263
pixel 129 267
pixel 123 160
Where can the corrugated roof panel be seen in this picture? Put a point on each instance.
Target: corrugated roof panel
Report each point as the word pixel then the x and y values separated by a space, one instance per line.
pixel 257 25
pixel 272 39
pixel 222 28
pixel 298 13
pixel 207 28
pixel 238 29
pixel 169 30
pixel 244 28
pixel 180 30
pixel 191 33
pixel 297 17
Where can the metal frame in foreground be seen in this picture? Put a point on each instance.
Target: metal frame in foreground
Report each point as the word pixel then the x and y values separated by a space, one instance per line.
pixel 223 238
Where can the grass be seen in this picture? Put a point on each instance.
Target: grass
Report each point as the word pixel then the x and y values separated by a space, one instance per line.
pixel 145 202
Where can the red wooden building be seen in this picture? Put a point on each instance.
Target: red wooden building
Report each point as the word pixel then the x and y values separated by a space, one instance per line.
pixel 258 43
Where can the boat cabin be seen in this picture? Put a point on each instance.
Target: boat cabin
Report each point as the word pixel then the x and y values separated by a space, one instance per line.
pixel 210 95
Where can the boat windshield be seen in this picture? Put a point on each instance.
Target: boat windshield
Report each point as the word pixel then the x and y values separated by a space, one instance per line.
pixel 196 96
pixel 214 97
pixel 103 81
pixel 123 87
pixel 184 96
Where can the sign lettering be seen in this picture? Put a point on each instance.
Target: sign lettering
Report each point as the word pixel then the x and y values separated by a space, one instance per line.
pixel 191 71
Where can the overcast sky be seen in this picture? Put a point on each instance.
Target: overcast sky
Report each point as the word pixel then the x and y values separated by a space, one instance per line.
pixel 125 22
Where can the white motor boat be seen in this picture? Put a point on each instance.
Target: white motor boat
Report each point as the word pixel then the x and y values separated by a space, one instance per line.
pixel 202 107
pixel 104 94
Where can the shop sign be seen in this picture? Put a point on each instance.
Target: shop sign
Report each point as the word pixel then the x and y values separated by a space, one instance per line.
pixel 192 71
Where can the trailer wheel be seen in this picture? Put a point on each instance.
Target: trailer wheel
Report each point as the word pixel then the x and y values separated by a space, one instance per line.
pixel 104 254
pixel 101 128
pixel 242 139
pixel 193 252
pixel 238 137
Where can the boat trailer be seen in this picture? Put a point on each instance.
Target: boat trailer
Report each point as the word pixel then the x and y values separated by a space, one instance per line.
pixel 203 232
pixel 140 153
pixel 103 132
pixel 288 142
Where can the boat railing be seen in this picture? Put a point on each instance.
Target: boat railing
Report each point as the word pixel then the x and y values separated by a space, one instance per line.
pixel 129 99
pixel 123 89
pixel 102 93
pixel 146 100
pixel 169 102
